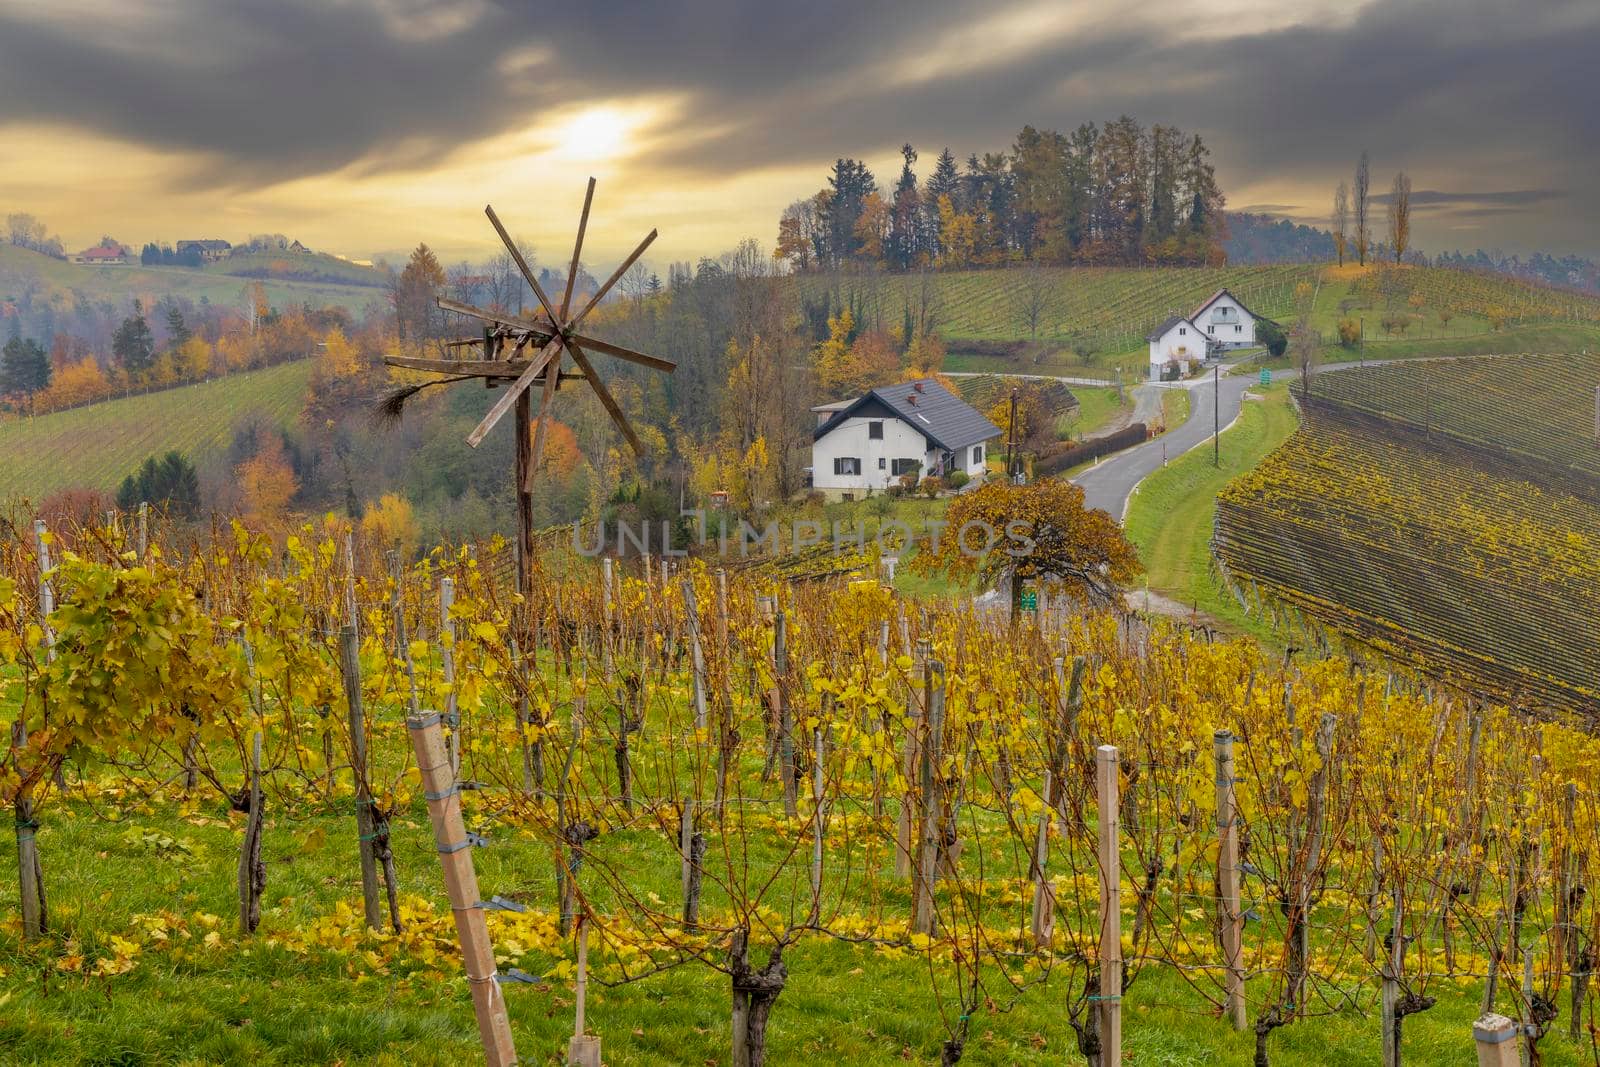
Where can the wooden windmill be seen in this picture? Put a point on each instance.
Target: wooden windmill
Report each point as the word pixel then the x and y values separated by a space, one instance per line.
pixel 500 354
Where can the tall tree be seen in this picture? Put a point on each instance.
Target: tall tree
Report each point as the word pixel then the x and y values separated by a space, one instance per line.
pixel 178 332
pixel 906 221
pixel 1341 220
pixel 133 344
pixel 945 181
pixel 1363 231
pixel 850 184
pixel 1400 215
pixel 415 293
pixel 24 367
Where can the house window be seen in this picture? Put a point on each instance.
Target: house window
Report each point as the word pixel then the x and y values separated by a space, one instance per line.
pixel 906 466
pixel 1182 331
pixel 875 430
pixel 846 465
pixel 882 462
pixel 1213 329
pixel 977 455
pixel 1239 329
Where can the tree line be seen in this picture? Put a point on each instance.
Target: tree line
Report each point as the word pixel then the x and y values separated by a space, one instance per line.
pixel 1117 194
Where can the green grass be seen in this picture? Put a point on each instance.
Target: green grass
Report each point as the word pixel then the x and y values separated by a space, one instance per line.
pixel 1174 408
pixel 1096 408
pixel 99 445
pixel 1169 518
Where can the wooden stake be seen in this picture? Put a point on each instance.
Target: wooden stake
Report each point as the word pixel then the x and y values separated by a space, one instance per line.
pixel 252 874
pixel 452 708
pixel 786 761
pixel 350 669
pixel 1391 988
pixel 1110 863
pixel 144 530
pixel 1043 919
pixel 693 613
pixel 816 827
pixel 1229 916
pixel 461 884
pixel 583 1050
pixel 923 919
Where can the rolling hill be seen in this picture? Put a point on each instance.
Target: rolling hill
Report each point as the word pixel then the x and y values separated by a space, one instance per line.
pixel 99 445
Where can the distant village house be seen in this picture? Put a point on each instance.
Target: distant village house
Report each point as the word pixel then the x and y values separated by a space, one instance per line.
pixel 209 250
pixel 104 255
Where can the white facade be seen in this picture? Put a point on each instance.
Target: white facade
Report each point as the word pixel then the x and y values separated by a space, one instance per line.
pixel 1183 342
pixel 850 459
pixel 1227 322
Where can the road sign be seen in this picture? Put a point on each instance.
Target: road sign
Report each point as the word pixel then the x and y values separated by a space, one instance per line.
pixel 1266 376
pixel 1030 600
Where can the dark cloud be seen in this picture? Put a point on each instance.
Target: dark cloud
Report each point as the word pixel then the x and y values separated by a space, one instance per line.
pixel 1460 93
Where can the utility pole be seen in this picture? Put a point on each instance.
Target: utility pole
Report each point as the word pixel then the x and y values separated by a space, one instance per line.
pixel 1011 436
pixel 1216 415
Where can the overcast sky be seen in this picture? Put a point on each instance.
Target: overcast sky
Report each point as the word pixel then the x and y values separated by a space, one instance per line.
pixel 364 126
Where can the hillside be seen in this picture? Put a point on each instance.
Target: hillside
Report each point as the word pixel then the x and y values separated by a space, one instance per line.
pixel 97 446
pixel 1097 317
pixel 46 280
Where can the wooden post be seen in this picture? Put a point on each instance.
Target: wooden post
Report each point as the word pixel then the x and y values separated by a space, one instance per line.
pixel 351 614
pixel 452 707
pixel 606 603
pixel 583 1050
pixel 693 613
pixel 524 495
pixel 350 668
pixel 917 706
pixel 402 639
pixel 461 884
pixel 816 826
pixel 1391 988
pixel 786 761
pixel 144 530
pixel 252 874
pixel 1229 916
pixel 1110 863
pixel 1043 919
pixel 1496 1038
pixel 923 920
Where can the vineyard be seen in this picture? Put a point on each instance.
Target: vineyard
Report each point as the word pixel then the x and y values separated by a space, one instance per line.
pixel 99 445
pixel 717 809
pixel 1108 310
pixel 1528 414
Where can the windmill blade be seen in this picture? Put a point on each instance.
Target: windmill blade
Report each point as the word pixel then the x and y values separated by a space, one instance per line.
pixel 498 318
pixel 470 368
pixel 522 264
pixel 606 399
pixel 577 249
pixel 615 276
pixel 518 387
pixel 625 353
pixel 542 427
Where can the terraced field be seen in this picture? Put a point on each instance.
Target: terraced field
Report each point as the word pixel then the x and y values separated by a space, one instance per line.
pixel 99 445
pixel 1440 512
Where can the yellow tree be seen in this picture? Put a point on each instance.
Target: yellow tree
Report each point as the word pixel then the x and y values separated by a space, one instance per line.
pixel 268 483
pixel 958 236
pixel 1040 531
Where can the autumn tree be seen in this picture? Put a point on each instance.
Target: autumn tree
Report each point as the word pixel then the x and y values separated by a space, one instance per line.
pixel 1363 231
pixel 1041 531
pixel 267 482
pixel 1341 220
pixel 1400 215
pixel 415 293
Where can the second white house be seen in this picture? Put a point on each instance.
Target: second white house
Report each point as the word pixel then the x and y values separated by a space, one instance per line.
pixel 916 427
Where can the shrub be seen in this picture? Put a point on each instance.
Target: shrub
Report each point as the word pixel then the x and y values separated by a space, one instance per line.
pixel 1271 334
pixel 958 479
pixel 1349 332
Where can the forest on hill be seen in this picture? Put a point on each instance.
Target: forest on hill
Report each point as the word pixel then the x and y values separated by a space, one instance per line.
pixel 1117 194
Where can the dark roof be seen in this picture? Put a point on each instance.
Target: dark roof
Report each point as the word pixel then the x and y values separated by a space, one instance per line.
pixel 1218 295
pixel 1161 331
pixel 927 407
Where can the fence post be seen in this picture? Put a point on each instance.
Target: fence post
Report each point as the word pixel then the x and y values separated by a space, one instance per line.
pixel 1229 916
pixel 1496 1038
pixel 461 884
pixel 606 603
pixel 1110 863
pixel 452 708
pixel 927 867
pixel 350 668
pixel 583 1050
pixel 1043 925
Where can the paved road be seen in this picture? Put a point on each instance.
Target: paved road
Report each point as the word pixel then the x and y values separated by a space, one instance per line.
pixel 1109 484
pixel 1104 383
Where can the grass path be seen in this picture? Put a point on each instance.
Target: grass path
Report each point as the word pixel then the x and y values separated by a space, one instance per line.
pixel 1169 518
pixel 99 445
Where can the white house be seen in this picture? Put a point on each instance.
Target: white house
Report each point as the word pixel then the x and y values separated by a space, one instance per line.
pixel 915 427
pixel 1178 340
pixel 1226 321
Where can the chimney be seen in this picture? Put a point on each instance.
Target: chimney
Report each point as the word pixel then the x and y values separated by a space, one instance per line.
pixel 911 398
pixel 917 385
